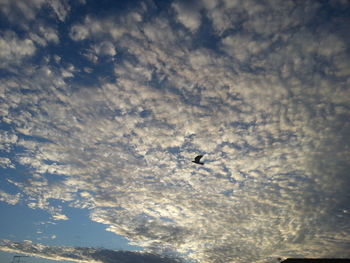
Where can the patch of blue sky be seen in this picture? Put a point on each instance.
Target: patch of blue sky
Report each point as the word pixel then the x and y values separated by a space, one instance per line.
pixel 6 257
pixel 24 223
pixel 20 221
pixel 6 185
pixel 21 172
pixel 80 230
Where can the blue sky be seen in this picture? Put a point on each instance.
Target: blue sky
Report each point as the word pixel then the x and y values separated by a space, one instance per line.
pixel 104 104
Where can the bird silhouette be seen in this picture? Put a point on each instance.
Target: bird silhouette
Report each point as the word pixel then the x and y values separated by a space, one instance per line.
pixel 196 160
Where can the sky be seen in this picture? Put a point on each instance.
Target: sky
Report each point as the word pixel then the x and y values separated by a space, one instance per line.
pixel 104 104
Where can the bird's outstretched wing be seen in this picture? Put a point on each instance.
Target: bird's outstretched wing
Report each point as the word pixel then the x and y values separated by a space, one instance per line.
pixel 198 158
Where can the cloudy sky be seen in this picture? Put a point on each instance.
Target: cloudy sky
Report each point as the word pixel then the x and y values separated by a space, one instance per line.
pixel 103 105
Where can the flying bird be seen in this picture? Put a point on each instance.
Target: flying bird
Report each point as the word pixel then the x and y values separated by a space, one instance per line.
pixel 196 160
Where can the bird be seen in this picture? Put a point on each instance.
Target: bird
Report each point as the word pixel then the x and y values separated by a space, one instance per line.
pixel 196 160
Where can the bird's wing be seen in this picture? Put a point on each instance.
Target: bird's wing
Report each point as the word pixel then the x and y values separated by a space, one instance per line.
pixel 198 158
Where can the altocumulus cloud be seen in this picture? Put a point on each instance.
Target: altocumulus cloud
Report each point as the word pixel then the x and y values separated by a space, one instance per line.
pixel 266 98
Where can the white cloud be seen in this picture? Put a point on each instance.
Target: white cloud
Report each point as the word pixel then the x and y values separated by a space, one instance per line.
pixel 9 198
pixel 187 15
pixel 7 139
pixel 78 32
pixel 243 47
pixel 6 163
pixel 44 35
pixel 14 49
pixel 88 70
pixel 101 50
pixel 61 8
pixel 57 217
pixel 109 27
pixel 26 10
pixel 14 10
pixel 57 59
pixel 49 34
pixel 105 48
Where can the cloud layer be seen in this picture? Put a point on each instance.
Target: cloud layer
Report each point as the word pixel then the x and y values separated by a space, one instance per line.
pixel 260 88
pixel 82 254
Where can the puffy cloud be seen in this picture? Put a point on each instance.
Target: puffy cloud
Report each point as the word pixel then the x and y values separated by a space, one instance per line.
pixel 187 15
pixel 61 9
pixel 243 47
pixel 44 35
pixel 24 11
pixel 109 27
pixel 14 10
pixel 6 163
pixel 7 139
pixel 105 48
pixel 9 198
pixel 78 32
pixel 14 49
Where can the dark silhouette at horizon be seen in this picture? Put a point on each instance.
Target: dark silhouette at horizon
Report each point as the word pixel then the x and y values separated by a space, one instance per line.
pixel 197 159
pixel 316 260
